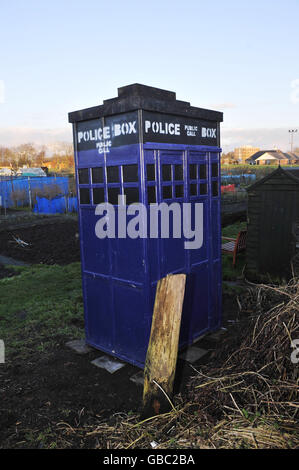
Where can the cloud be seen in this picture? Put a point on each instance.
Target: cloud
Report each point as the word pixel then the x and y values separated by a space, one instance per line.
pixel 13 136
pixel 223 106
pixel 264 138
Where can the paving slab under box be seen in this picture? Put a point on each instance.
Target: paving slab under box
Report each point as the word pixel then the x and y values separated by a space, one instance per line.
pixel 79 346
pixel 105 362
pixel 193 354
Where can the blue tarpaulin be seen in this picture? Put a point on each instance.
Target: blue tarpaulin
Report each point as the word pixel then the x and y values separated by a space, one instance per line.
pixel 58 205
pixel 8 186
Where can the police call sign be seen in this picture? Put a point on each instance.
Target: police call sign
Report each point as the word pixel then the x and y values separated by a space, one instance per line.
pixel 115 131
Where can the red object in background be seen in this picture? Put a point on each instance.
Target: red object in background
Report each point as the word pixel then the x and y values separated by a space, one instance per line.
pixel 228 188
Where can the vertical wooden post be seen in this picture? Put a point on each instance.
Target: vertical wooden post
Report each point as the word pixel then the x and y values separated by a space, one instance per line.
pixel 161 358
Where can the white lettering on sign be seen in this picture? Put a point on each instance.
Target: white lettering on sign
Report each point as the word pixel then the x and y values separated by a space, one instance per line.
pixel 208 132
pixel 158 127
pixel 103 136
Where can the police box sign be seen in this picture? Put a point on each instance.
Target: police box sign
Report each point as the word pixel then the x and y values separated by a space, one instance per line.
pixel 114 131
pixel 178 130
pixel 104 133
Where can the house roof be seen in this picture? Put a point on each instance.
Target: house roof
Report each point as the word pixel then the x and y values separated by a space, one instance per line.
pixel 292 173
pixel 277 154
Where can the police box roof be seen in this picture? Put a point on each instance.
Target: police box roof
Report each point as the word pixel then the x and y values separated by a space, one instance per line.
pixel 137 96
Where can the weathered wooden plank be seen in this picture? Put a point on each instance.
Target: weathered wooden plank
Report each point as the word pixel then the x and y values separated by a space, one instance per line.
pixel 161 358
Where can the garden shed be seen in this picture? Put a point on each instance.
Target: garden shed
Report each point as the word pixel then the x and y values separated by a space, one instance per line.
pixel 273 226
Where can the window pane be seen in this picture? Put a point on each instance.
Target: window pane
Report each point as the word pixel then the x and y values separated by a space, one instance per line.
pixel 215 188
pixel 98 195
pixel 83 176
pixel 193 189
pixel 132 195
pixel 214 170
pixel 130 173
pixel 167 192
pixel 203 188
pixel 151 194
pixel 112 174
pixel 150 171
pixel 113 195
pixel 97 175
pixel 203 172
pixel 166 172
pixel 178 172
pixel 192 171
pixel 84 196
pixel 179 191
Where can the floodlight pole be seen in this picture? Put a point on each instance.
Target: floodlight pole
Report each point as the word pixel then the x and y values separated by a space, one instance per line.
pixel 292 131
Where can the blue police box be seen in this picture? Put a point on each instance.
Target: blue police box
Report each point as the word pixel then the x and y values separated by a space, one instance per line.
pixel 152 148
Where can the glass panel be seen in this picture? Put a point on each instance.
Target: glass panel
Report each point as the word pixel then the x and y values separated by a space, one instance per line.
pixel 84 196
pixel 113 195
pixel 178 172
pixel 83 176
pixel 203 172
pixel 167 192
pixel 179 190
pixel 130 173
pixel 166 172
pixel 192 171
pixel 215 188
pixel 193 189
pixel 214 170
pixel 203 188
pixel 98 195
pixel 112 174
pixel 97 175
pixel 150 171
pixel 151 194
pixel 132 195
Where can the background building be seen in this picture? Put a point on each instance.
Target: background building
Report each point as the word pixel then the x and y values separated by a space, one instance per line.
pixel 241 154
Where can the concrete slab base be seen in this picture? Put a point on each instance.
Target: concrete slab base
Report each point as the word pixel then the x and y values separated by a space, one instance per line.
pixel 193 354
pixel 138 378
pixel 79 346
pixel 217 336
pixel 107 363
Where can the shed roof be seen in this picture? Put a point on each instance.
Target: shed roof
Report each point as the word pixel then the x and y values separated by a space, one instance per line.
pixel 292 173
pixel 277 154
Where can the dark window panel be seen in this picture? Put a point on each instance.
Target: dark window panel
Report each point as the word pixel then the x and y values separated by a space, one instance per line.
pixel 112 174
pixel 179 190
pixel 167 192
pixel 166 172
pixel 83 176
pixel 192 171
pixel 203 189
pixel 214 170
pixel 193 189
pixel 84 196
pixel 151 195
pixel 130 173
pixel 132 195
pixel 203 172
pixel 98 195
pixel 150 172
pixel 97 175
pixel 214 188
pixel 178 172
pixel 113 195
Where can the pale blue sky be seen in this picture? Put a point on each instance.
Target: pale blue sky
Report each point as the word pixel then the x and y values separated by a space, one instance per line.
pixel 237 56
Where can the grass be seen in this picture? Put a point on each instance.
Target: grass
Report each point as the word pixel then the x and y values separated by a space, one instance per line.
pixel 38 306
pixel 229 273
